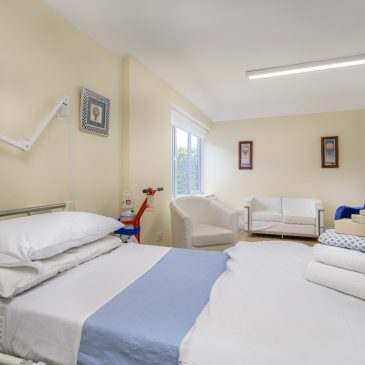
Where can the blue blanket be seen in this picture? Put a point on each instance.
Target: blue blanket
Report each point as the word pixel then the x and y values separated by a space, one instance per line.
pixel 145 323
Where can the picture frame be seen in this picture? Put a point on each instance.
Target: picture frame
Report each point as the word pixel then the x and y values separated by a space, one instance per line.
pixel 245 155
pixel 329 152
pixel 95 111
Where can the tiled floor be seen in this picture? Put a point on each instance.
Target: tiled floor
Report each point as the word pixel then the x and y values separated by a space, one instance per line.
pixel 243 236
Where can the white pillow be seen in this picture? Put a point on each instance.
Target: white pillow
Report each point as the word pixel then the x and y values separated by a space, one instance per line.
pixel 45 235
pixel 14 280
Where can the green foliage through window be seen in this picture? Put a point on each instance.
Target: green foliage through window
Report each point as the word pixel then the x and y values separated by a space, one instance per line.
pixel 187 172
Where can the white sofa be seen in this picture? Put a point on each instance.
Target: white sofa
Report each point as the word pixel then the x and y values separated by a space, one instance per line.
pixel 283 216
pixel 203 223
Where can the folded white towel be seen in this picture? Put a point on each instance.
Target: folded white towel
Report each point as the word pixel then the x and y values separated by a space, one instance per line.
pixel 345 281
pixel 340 257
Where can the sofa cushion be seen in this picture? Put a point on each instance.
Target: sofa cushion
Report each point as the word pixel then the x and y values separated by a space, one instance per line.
pixel 207 235
pixel 267 204
pixel 299 211
pixel 302 219
pixel 267 216
pixel 298 206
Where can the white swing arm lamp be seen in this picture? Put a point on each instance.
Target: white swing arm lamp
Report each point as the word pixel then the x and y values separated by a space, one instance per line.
pixel 306 67
pixel 25 144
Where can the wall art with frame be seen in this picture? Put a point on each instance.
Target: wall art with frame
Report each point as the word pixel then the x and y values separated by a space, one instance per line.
pixel 329 152
pixel 245 155
pixel 95 110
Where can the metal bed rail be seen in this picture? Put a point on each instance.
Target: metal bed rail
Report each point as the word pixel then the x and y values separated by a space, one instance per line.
pixel 5 213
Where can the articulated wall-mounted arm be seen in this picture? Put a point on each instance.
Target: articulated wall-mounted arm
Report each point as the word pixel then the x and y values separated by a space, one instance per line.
pixel 25 144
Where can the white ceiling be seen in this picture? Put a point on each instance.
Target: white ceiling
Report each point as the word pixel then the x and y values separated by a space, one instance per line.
pixel 203 47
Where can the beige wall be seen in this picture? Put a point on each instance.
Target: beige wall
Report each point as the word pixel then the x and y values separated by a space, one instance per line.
pixel 42 58
pixel 287 159
pixel 149 142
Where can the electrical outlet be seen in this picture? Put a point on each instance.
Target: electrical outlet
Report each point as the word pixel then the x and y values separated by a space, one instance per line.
pixel 70 205
pixel 159 236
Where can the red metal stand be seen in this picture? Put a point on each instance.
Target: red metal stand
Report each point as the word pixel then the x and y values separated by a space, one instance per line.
pixel 144 206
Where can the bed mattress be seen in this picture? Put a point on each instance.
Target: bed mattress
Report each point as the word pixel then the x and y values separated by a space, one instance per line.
pixel 133 305
pixel 45 322
pixel 261 310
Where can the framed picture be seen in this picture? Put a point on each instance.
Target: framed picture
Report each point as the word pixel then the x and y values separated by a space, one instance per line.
pixel 94 111
pixel 329 152
pixel 245 152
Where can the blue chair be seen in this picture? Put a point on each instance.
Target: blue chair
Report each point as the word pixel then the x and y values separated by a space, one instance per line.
pixel 345 212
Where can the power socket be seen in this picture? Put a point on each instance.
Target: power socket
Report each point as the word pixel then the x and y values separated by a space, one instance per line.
pixel 159 236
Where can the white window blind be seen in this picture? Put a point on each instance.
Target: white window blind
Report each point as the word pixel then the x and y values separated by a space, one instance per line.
pixel 181 120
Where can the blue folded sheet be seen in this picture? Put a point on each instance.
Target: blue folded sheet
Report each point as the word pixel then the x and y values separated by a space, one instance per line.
pixel 146 322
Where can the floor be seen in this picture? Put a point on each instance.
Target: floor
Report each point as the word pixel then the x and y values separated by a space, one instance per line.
pixel 244 236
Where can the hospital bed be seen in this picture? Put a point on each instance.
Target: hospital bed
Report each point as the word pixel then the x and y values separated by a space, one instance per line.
pixel 142 304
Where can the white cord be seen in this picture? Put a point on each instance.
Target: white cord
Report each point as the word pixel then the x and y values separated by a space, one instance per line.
pixel 71 165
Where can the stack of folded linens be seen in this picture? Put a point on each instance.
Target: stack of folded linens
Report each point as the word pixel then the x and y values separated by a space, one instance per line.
pixel 339 263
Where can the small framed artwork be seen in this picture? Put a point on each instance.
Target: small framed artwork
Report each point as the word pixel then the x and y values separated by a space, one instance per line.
pixel 245 152
pixel 329 152
pixel 94 111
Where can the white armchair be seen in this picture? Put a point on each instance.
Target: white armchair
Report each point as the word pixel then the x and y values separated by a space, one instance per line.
pixel 198 222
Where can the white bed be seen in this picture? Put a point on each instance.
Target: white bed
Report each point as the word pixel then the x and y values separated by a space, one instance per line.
pixel 261 311
pixel 46 322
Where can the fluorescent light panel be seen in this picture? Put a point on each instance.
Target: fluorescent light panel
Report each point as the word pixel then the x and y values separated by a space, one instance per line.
pixel 307 67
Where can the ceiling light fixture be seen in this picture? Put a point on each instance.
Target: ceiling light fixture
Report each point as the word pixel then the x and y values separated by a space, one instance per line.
pixel 306 67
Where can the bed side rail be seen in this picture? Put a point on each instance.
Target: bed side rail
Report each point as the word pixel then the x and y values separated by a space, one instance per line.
pixel 5 213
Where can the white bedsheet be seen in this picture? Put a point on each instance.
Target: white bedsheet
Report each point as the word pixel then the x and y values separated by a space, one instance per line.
pixel 263 312
pixel 45 323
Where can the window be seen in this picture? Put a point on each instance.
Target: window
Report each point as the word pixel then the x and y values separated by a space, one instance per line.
pixel 187 162
pixel 187 144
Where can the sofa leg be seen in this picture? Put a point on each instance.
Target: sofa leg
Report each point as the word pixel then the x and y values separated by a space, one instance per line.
pixel 282 236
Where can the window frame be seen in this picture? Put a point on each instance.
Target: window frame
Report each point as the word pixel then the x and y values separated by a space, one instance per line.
pixel 174 161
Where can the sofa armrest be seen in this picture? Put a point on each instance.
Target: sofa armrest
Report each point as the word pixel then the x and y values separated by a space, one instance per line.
pixel 318 205
pixel 319 211
pixel 248 202
pixel 319 221
pixel 248 205
pixel 181 227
